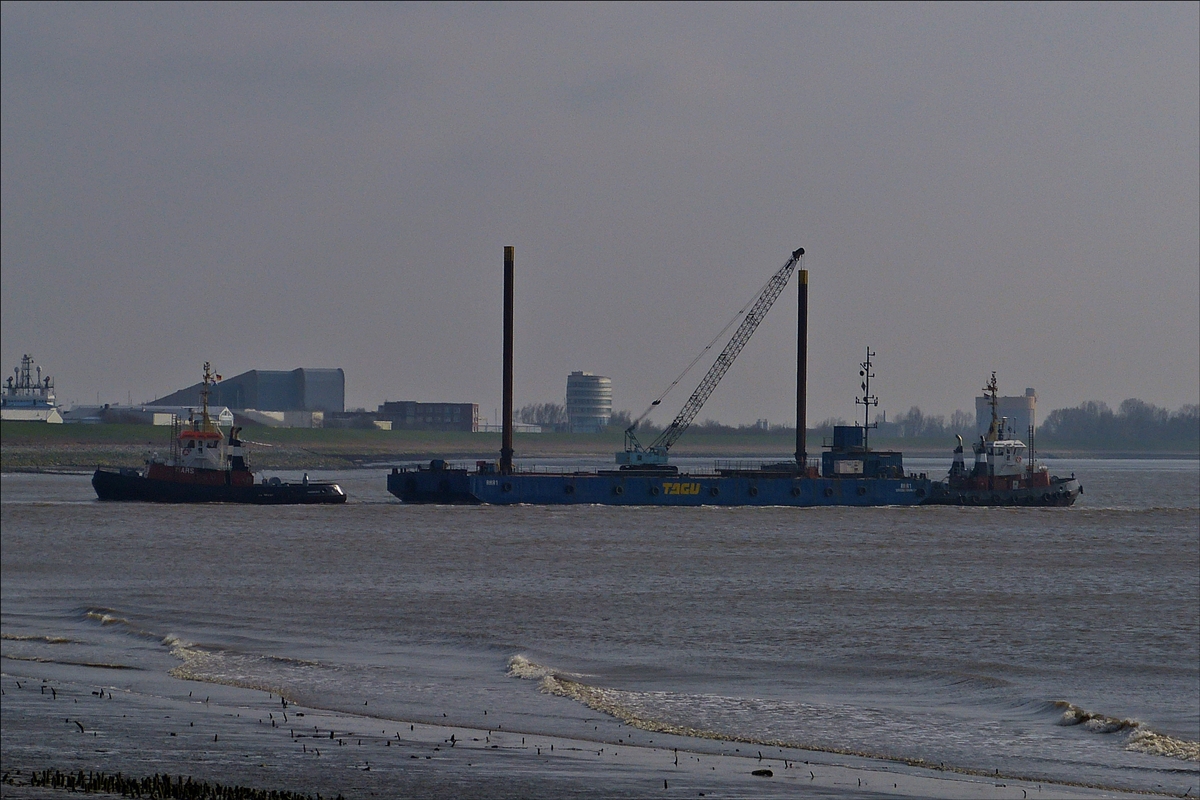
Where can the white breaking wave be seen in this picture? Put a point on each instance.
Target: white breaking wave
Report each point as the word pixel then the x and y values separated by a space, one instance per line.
pixel 1096 723
pixel 243 670
pixel 617 703
pixel 13 637
pixel 521 667
pixel 210 664
pixel 1147 741
pixel 1140 738
pixel 172 641
pixel 645 711
pixel 97 664
pixel 633 708
pixel 107 617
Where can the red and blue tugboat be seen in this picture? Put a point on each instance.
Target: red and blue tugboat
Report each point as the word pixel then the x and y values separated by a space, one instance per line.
pixel 1002 475
pixel 207 467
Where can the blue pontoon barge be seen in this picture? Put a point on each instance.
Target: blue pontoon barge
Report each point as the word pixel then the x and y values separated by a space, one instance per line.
pixel 849 472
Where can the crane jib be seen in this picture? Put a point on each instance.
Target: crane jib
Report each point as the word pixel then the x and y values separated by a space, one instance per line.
pixel 724 361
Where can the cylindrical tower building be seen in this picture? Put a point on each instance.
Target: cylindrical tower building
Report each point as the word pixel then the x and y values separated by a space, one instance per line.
pixel 589 402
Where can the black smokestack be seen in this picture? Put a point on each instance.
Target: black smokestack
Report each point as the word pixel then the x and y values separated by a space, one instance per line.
pixel 802 367
pixel 506 448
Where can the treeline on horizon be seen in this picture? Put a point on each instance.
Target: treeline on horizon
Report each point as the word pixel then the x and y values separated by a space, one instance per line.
pixel 1134 425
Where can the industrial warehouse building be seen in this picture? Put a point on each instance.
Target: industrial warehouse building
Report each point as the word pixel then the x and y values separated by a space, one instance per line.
pixel 412 416
pixel 269 390
pixel 589 402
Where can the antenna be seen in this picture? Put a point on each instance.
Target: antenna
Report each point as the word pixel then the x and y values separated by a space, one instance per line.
pixel 867 400
pixel 1029 467
pixel 990 391
pixel 1032 465
pixel 209 375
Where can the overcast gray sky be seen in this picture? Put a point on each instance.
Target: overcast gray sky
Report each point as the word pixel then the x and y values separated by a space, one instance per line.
pixel 979 187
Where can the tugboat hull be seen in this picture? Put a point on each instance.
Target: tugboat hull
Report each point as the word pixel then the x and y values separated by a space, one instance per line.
pixel 1060 492
pixel 131 486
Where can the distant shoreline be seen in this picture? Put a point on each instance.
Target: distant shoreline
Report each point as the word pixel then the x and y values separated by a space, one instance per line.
pixel 38 447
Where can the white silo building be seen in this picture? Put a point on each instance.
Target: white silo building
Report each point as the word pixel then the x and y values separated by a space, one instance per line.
pixel 589 402
pixel 1021 412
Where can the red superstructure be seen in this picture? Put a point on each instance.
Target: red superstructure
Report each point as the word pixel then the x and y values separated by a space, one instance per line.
pixel 200 454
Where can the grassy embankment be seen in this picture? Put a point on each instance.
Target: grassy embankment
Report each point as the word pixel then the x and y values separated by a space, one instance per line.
pixel 31 446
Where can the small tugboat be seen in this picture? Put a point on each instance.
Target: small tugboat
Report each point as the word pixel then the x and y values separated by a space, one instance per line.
pixel 206 467
pixel 1002 475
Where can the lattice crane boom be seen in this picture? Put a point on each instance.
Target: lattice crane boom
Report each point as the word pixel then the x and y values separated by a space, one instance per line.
pixel 741 336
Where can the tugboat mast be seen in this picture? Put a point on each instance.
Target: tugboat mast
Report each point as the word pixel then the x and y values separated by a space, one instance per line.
pixel 991 390
pixel 867 400
pixel 205 419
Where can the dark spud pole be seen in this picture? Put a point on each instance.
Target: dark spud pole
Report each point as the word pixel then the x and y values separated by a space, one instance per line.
pixel 802 367
pixel 506 448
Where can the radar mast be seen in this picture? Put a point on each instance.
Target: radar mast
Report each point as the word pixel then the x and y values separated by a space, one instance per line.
pixel 867 400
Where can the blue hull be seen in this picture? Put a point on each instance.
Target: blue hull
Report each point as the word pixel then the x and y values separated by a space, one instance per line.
pixel 632 489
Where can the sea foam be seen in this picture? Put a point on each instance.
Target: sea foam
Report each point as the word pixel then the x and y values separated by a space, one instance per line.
pixel 12 637
pixel 1140 738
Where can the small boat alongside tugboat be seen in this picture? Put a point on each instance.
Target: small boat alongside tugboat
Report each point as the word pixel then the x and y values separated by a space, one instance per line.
pixel 206 466
pixel 1003 474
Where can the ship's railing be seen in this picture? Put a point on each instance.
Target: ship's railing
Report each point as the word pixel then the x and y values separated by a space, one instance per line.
pixel 557 469
pixel 540 469
pixel 585 466
pixel 756 465
pixel 593 468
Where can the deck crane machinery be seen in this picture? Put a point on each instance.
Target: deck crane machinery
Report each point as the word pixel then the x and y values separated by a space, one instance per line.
pixel 654 455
